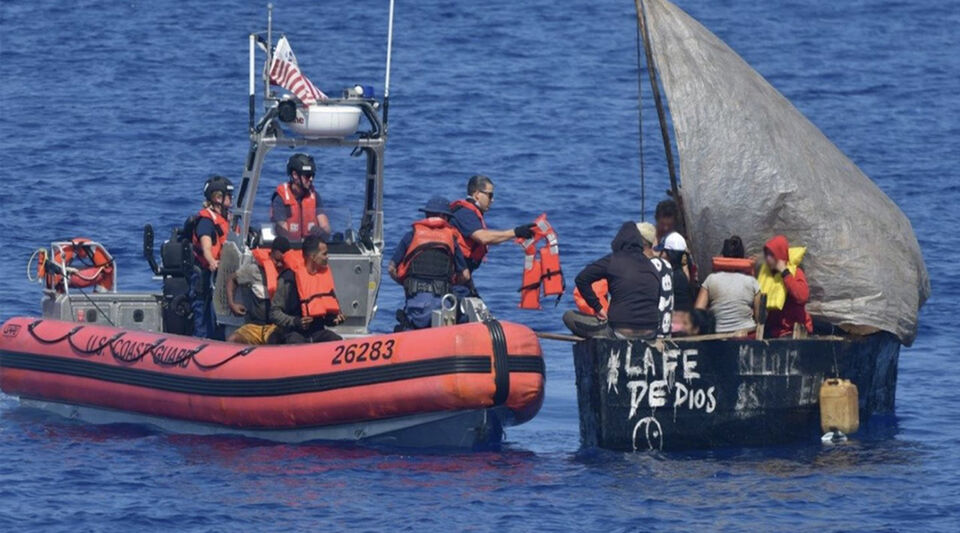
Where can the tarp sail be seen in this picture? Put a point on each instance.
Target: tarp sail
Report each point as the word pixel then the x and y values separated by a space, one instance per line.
pixel 751 164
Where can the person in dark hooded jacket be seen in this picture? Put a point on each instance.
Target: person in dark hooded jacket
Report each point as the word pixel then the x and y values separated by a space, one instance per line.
pixel 635 286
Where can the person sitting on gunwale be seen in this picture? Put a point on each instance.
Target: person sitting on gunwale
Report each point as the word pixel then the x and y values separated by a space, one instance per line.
pixel 674 250
pixel 258 282
pixel 640 285
pixel 733 297
pixel 305 301
pixel 427 262
pixel 783 282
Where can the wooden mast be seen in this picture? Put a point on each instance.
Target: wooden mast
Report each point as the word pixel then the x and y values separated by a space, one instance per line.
pixel 661 114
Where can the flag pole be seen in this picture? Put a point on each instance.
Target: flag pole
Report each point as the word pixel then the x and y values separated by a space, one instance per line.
pixel 269 64
pixel 386 83
pixel 252 84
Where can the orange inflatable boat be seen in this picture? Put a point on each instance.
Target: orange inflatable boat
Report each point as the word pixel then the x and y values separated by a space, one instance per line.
pixel 451 386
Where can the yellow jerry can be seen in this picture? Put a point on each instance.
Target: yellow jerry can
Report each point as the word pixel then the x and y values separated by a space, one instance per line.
pixel 839 409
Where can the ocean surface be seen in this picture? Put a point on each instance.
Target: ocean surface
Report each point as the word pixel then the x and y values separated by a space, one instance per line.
pixel 112 114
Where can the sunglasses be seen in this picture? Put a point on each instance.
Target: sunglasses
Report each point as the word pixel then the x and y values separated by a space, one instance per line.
pixel 307 175
pixel 489 194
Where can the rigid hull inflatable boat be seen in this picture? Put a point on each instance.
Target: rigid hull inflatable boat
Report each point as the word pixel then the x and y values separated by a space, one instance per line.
pixel 107 356
pixel 451 386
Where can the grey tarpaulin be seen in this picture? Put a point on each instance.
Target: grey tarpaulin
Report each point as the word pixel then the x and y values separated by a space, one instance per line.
pixel 751 164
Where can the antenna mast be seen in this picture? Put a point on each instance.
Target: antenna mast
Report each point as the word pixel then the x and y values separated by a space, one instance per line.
pixel 386 82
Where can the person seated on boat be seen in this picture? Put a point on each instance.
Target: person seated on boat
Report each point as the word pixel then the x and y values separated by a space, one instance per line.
pixel 427 262
pixel 674 250
pixel 296 209
pixel 210 227
pixel 697 322
pixel 640 286
pixel 258 282
pixel 731 294
pixel 785 285
pixel 305 301
pixel 474 235
pixel 667 216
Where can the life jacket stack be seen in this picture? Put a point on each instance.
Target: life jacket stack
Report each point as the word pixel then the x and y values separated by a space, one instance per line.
pixel 735 264
pixel 541 267
pixel 318 297
pixel 78 263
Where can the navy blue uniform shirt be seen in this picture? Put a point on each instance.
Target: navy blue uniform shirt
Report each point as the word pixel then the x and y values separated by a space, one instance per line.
pixel 467 223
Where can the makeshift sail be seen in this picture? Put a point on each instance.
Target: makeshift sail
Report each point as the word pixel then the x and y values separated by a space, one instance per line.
pixel 751 164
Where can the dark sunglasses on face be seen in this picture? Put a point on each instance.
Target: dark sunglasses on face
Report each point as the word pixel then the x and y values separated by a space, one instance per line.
pixel 307 175
pixel 489 194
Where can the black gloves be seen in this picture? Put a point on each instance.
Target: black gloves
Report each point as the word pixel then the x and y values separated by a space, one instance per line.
pixel 524 231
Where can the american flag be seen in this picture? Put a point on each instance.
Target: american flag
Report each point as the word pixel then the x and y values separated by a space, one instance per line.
pixel 285 73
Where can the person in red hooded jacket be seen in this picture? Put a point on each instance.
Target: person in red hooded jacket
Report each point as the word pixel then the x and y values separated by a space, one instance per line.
pixel 780 321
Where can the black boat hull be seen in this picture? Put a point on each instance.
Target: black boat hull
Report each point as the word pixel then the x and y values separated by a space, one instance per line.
pixel 682 395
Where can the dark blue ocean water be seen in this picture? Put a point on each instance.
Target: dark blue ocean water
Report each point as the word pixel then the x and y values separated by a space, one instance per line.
pixel 113 113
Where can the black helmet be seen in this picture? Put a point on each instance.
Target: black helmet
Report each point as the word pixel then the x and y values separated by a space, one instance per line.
pixel 217 184
pixel 301 163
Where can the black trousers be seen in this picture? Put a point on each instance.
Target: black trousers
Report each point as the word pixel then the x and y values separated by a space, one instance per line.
pixel 306 337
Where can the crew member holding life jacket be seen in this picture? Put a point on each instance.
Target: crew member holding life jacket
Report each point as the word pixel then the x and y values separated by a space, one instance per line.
pixel 210 227
pixel 428 261
pixel 296 209
pixel 475 236
pixel 305 301
pixel 257 281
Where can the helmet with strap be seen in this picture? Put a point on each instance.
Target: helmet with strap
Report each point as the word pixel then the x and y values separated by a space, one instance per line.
pixel 217 184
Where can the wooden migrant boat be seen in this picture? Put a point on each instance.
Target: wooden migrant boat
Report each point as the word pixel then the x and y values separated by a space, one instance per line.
pixel 754 166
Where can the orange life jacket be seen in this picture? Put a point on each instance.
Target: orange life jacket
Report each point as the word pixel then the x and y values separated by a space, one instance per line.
pixel 541 267
pixel 473 250
pixel 735 264
pixel 268 268
pixel 222 228
pixel 302 220
pixel 318 297
pixel 602 289
pixel 429 233
pixel 88 264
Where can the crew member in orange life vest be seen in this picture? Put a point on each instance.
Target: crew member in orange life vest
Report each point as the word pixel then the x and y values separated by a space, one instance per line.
pixel 305 301
pixel 468 219
pixel 210 228
pixel 296 209
pixel 428 261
